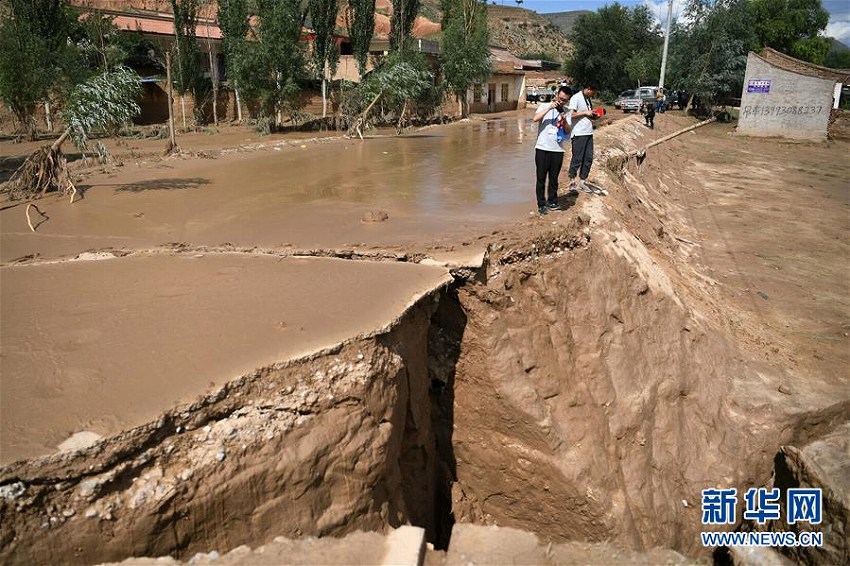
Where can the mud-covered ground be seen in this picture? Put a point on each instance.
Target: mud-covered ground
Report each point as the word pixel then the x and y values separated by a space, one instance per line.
pixel 604 364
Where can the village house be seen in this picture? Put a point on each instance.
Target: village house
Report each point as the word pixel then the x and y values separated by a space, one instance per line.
pixel 505 89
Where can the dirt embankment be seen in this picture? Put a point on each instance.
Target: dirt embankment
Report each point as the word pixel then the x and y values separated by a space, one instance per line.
pixel 601 388
pixel 609 363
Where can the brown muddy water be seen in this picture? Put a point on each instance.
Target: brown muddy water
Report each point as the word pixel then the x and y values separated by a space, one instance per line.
pixel 461 179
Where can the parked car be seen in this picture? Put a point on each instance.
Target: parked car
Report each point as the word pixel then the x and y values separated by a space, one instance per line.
pixel 539 94
pixel 641 95
pixel 623 95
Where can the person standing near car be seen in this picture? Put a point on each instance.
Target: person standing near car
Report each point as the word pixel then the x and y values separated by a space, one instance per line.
pixel 552 130
pixel 582 116
pixel 648 111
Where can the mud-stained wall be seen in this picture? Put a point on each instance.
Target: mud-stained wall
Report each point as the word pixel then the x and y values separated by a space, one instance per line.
pixel 326 446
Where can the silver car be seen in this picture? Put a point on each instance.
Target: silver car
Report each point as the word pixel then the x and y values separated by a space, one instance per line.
pixel 641 95
pixel 623 96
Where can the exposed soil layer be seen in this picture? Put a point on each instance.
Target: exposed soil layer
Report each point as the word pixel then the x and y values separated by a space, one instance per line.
pixel 703 326
pixel 608 363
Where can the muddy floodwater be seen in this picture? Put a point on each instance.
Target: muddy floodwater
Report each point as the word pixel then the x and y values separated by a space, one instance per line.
pixel 458 179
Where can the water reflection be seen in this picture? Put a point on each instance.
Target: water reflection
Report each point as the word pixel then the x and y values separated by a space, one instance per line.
pixel 487 163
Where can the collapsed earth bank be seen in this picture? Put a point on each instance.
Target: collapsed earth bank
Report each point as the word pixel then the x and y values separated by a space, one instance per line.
pixel 582 385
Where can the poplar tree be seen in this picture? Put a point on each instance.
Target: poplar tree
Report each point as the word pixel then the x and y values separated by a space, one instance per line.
pixel 233 22
pixel 264 61
pixel 401 22
pixel 277 58
pixel 325 53
pixel 187 77
pixel 466 55
pixel 360 16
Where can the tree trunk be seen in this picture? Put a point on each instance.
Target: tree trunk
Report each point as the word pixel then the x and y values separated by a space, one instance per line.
pixel 238 105
pixel 172 142
pixel 47 116
pixel 214 79
pixel 324 97
pixel 58 143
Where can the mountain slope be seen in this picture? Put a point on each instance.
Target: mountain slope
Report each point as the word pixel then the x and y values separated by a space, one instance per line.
pixel 565 20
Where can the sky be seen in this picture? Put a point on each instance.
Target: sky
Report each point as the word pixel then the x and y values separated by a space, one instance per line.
pixel 838 27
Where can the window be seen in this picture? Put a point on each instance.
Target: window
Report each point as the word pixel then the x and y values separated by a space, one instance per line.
pixel 504 92
pixel 478 93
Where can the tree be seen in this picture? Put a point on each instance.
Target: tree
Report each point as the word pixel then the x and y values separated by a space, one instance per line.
pixel 710 52
pixel 325 54
pixel 812 49
pixel 35 55
pixel 360 17
pixel 279 54
pixel 466 55
pixel 605 41
pixel 103 101
pixel 402 81
pixel 264 61
pixel 233 22
pixel 791 26
pixel 401 22
pixel 837 58
pixel 188 75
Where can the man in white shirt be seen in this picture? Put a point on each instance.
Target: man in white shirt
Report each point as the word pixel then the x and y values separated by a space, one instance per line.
pixel 582 116
pixel 552 130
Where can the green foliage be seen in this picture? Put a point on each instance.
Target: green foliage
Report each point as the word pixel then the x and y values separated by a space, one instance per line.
pixel 325 54
pixel 643 66
pixel 360 16
pixel 401 22
pixel 265 62
pixel 466 55
pixel 708 57
pixel 403 81
pixel 782 24
pixel 233 22
pixel 613 46
pixel 187 72
pixel 101 42
pixel 837 59
pixel 36 57
pixel 103 102
pixel 812 49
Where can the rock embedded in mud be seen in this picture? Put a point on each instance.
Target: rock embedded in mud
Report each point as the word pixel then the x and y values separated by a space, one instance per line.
pixel 374 216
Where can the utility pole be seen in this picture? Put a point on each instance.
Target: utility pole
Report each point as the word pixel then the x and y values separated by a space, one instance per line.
pixel 666 43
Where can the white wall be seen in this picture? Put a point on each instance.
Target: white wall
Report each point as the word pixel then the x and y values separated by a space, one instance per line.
pixel 775 102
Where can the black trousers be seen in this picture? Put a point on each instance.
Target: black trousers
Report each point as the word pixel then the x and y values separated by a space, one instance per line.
pixel 548 163
pixel 582 156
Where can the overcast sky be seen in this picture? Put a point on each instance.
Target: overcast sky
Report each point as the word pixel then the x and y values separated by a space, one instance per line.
pixel 838 27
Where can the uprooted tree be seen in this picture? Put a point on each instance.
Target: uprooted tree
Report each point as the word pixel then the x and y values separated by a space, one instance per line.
pixel 403 84
pixel 102 102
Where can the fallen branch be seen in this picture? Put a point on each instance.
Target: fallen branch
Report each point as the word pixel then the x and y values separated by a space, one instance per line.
pixel 361 120
pixel 642 151
pixel 29 221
